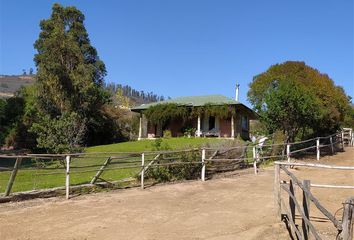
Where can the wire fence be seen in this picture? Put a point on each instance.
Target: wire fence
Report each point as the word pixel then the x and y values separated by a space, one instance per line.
pixel 65 172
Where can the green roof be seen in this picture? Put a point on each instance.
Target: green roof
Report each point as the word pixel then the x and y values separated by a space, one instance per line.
pixel 193 101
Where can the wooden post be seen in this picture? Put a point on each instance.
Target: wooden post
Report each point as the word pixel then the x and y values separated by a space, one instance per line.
pixel 342 137
pixel 67 179
pixel 254 151
pixel 203 165
pixel 318 148
pixel 347 220
pixel 291 202
pixel 288 152
pixel 331 142
pixel 277 193
pixel 13 176
pixel 100 171
pixel 142 170
pixel 198 130
pixel 306 207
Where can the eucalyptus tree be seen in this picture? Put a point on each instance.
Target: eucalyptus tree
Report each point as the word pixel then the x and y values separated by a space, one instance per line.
pixel 69 77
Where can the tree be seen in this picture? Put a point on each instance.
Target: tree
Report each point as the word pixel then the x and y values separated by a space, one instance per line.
pixel 290 107
pixel 31 71
pixel 330 99
pixel 69 71
pixel 69 86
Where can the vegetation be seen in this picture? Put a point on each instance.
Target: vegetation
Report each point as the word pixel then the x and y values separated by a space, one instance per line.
pixel 33 176
pixel 298 100
pixel 148 145
pixel 186 171
pixel 125 95
pixel 67 107
pixel 162 113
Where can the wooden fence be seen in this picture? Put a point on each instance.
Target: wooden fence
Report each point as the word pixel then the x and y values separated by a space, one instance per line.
pixel 207 158
pixel 287 210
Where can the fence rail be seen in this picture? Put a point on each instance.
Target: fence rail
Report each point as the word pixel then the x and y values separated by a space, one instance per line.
pixel 83 168
pixel 343 226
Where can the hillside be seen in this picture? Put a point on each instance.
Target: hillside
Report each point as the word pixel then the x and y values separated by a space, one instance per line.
pixel 10 84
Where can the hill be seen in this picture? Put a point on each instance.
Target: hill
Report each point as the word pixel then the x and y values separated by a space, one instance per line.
pixel 10 84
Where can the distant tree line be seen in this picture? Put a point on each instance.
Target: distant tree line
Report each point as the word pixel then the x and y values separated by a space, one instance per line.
pixel 136 97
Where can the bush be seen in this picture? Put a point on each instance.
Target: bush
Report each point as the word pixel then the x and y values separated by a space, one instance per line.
pixel 62 134
pixel 185 171
pixel 189 132
pixel 167 134
pixel 159 145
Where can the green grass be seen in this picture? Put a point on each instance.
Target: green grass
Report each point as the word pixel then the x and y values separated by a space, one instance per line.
pixel 30 178
pixel 147 145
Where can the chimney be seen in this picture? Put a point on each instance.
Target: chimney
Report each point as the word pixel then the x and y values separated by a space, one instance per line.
pixel 237 88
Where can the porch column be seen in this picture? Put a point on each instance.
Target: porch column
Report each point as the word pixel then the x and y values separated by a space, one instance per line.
pixel 198 131
pixel 232 127
pixel 140 127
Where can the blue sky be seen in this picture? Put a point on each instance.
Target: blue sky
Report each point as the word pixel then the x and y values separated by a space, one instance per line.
pixel 195 47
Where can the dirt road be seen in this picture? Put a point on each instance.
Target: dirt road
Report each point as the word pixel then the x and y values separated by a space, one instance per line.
pixel 238 207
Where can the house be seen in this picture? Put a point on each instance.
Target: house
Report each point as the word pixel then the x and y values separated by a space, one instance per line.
pixel 207 116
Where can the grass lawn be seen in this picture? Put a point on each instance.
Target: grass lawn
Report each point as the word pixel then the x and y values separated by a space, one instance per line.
pixel 147 145
pixel 29 177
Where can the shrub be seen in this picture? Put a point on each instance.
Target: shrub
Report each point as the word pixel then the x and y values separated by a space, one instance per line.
pixel 167 134
pixel 185 171
pixel 189 132
pixel 159 145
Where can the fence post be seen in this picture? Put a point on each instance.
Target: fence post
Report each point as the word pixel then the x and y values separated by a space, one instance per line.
pixel 277 193
pixel 306 207
pixel 318 148
pixel 203 165
pixel 347 220
pixel 292 203
pixel 67 179
pixel 342 137
pixel 142 170
pixel 331 142
pixel 288 152
pixel 254 151
pixel 13 176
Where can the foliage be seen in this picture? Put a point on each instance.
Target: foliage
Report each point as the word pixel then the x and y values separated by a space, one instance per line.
pixel 121 99
pixel 185 171
pixel 70 73
pixel 189 131
pixel 349 118
pixel 162 113
pixel 63 134
pixel 69 86
pixel 11 111
pixel 159 145
pixel 290 107
pixel 167 134
pixel 134 96
pixel 222 111
pixel 330 100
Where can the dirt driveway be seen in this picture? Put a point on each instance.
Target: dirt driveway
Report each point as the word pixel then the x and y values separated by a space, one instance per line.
pixel 236 207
